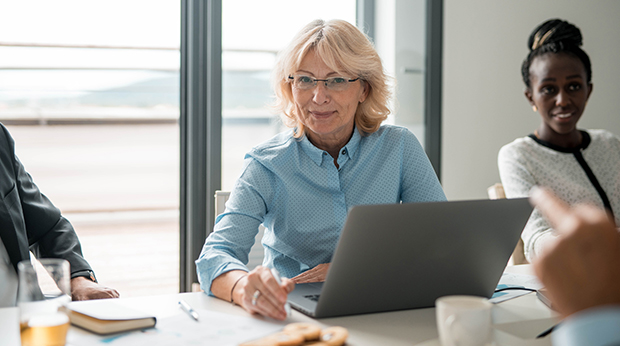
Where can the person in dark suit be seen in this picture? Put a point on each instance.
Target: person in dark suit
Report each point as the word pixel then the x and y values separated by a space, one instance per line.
pixel 30 222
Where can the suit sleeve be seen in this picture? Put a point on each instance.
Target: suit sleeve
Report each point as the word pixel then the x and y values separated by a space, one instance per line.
pixel 49 234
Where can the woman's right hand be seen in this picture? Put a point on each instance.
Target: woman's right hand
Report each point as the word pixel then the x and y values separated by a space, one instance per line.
pixel 259 293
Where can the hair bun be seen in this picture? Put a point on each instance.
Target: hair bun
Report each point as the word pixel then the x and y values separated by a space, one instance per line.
pixel 554 32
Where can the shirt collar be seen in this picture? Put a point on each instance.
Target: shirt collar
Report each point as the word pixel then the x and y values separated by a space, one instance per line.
pixel 585 142
pixel 317 155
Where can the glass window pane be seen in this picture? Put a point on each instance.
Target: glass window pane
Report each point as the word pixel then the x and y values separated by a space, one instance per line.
pixel 401 43
pixel 90 92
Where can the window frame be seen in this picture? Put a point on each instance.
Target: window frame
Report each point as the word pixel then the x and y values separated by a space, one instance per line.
pixel 201 128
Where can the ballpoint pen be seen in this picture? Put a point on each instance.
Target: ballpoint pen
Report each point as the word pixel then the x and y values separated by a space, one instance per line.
pixel 188 309
pixel 276 275
pixel 547 332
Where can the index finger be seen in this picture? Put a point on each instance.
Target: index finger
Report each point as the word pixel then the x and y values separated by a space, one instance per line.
pixel 553 208
pixel 276 290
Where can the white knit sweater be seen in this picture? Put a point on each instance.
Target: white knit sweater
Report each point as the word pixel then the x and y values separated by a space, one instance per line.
pixel 526 162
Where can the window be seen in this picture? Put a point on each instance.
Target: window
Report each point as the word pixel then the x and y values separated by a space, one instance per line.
pixel 90 92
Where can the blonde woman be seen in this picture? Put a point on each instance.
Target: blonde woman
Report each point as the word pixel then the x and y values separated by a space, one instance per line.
pixel 331 88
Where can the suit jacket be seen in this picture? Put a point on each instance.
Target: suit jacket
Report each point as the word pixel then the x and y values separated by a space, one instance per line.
pixel 28 219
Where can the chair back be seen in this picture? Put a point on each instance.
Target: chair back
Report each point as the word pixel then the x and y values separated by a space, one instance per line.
pixel 257 253
pixel 220 201
pixel 518 256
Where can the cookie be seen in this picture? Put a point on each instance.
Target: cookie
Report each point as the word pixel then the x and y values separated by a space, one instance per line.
pixel 260 342
pixel 285 338
pixel 334 336
pixel 309 331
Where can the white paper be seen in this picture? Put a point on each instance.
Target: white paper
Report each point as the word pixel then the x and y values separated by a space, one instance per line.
pixel 213 329
pixel 515 280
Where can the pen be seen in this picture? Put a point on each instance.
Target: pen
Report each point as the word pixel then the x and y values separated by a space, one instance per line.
pixel 546 332
pixel 276 275
pixel 188 309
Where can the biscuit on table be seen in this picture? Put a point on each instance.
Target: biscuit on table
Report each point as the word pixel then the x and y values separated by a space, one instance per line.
pixel 334 336
pixel 295 334
pixel 258 342
pixel 316 343
pixel 278 339
pixel 285 338
pixel 309 331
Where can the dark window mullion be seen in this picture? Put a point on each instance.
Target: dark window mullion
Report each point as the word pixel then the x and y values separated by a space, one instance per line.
pixel 200 126
pixel 433 92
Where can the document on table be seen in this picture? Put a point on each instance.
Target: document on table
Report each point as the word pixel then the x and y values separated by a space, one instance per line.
pixel 515 280
pixel 213 328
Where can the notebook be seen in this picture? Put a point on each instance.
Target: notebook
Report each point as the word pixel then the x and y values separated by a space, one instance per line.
pixel 106 317
pixel 405 256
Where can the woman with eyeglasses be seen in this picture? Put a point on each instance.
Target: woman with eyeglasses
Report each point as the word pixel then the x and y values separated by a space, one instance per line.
pixel 579 166
pixel 332 90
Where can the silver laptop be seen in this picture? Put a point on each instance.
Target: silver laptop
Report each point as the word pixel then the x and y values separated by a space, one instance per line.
pixel 404 256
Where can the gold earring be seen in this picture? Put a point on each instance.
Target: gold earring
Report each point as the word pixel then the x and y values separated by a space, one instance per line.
pixel 534 108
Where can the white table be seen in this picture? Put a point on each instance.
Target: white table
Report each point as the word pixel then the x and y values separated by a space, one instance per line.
pixel 408 327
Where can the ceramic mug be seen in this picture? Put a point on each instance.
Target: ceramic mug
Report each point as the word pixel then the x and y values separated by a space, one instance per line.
pixel 464 320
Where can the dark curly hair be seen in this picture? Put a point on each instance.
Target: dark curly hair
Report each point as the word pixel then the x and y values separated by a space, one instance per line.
pixel 555 36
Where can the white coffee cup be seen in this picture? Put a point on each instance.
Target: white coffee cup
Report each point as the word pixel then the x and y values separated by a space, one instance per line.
pixel 464 320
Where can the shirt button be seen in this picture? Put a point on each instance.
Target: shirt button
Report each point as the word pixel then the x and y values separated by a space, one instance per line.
pixel 344 151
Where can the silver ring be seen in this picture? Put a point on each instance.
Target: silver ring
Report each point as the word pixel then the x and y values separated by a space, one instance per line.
pixel 255 297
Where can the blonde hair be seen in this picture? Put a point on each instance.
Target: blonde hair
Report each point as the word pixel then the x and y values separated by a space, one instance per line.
pixel 345 49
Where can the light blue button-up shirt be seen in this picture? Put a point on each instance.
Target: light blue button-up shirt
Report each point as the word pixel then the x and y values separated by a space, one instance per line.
pixel 294 189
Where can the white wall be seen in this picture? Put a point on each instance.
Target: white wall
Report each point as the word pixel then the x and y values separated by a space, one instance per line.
pixel 485 42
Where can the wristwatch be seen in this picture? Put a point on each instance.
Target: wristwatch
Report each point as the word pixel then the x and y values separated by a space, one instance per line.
pixel 89 274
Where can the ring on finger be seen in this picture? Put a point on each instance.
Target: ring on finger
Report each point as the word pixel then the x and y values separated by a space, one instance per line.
pixel 255 297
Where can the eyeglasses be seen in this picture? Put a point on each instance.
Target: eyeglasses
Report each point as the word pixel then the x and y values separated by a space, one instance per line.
pixel 302 82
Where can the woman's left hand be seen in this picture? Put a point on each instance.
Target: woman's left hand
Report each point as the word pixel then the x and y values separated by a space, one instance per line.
pixel 316 274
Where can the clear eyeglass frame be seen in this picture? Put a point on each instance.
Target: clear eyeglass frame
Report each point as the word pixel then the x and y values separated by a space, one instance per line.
pixel 338 83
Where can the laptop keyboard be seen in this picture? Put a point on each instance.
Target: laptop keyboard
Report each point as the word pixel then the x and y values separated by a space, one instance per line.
pixel 313 297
